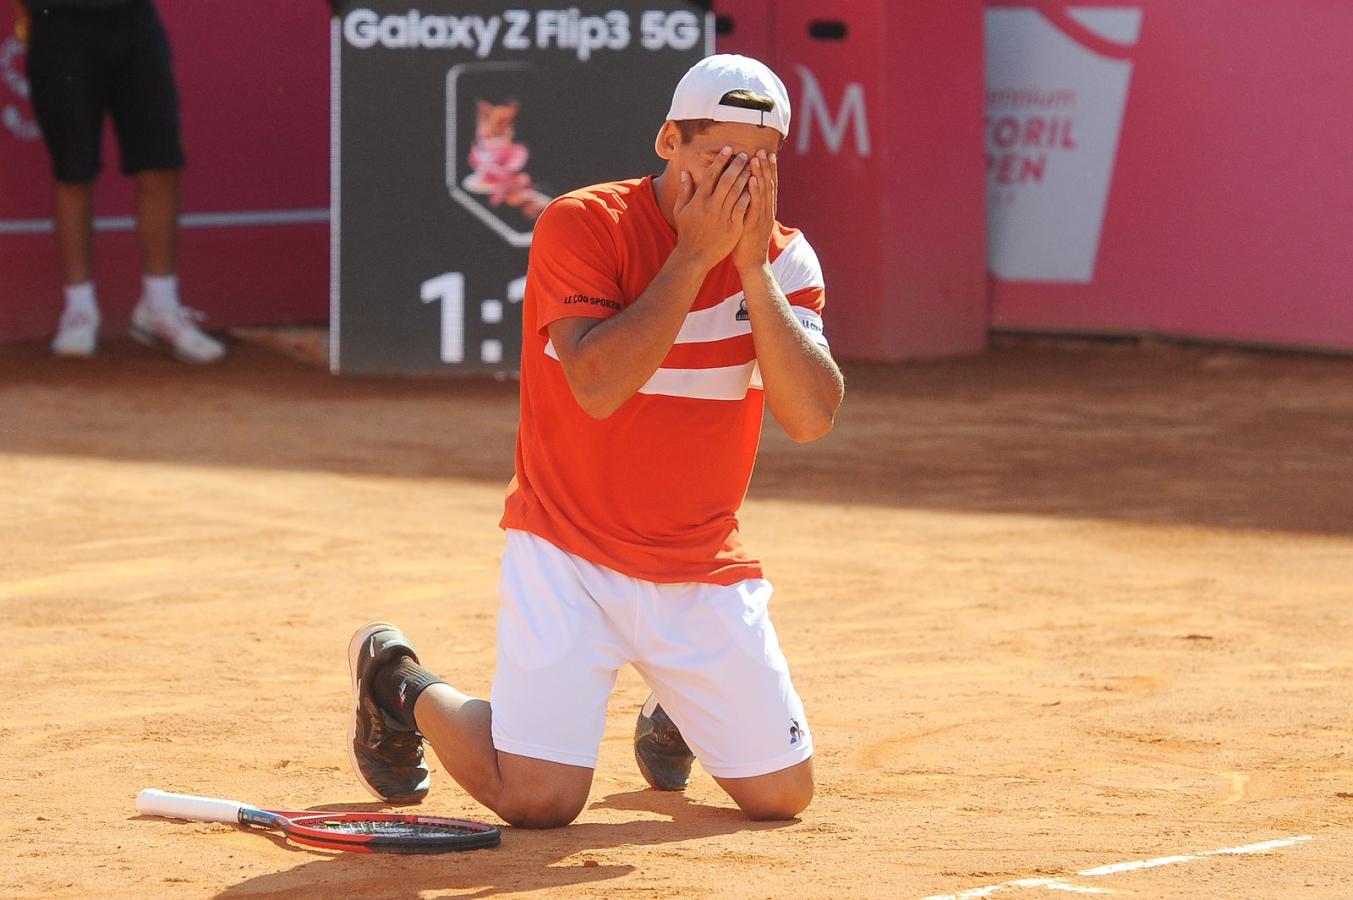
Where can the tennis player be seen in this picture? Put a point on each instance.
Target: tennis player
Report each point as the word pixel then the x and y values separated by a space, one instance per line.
pixel 662 315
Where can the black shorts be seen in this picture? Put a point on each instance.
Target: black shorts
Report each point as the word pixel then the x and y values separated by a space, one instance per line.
pixel 83 64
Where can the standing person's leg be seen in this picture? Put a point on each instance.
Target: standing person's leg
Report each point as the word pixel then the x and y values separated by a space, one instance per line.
pixel 145 107
pixel 67 86
pixel 157 220
pixel 74 221
pixel 78 330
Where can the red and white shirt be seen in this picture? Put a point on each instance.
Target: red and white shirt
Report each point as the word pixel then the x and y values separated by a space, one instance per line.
pixel 653 490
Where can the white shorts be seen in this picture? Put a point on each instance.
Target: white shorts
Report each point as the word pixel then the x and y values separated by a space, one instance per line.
pixel 709 652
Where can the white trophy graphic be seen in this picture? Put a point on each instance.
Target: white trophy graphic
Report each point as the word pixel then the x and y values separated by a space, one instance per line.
pixel 497 177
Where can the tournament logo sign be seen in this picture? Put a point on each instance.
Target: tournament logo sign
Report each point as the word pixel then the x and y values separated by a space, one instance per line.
pixel 1057 83
pixel 16 116
pixel 454 125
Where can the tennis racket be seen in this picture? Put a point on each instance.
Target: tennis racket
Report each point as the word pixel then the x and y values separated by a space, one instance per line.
pixel 359 832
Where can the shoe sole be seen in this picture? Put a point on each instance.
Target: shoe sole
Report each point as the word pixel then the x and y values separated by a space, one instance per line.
pixel 354 654
pixel 658 780
pixel 150 340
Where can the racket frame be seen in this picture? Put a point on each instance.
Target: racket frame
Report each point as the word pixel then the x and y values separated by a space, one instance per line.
pixel 468 835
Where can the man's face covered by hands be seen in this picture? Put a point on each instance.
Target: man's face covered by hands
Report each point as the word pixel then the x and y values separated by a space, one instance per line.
pixel 701 157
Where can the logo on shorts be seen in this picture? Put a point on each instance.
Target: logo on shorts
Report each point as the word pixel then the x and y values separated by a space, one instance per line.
pixel 742 315
pixel 796 732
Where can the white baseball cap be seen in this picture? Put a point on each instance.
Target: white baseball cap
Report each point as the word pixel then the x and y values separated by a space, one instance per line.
pixel 698 93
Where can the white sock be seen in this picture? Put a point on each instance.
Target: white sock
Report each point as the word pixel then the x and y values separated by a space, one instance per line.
pixel 160 291
pixel 81 297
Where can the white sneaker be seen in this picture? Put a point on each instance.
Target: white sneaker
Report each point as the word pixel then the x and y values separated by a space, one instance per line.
pixel 173 328
pixel 78 333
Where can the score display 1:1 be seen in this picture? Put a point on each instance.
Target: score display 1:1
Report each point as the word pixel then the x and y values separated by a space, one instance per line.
pixel 448 289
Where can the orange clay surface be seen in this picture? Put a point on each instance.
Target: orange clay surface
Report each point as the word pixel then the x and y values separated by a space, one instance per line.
pixel 1051 608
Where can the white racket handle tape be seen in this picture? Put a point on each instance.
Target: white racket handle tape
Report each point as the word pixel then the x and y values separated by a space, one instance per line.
pixel 151 802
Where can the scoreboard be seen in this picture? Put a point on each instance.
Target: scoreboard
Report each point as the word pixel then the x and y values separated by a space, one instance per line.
pixel 453 125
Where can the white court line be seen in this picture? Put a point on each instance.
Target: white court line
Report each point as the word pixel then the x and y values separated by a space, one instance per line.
pixel 1061 884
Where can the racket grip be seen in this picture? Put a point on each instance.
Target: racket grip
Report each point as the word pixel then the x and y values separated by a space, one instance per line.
pixel 151 802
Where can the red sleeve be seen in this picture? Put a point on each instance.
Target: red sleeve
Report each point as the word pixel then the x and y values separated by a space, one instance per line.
pixel 574 267
pixel 811 298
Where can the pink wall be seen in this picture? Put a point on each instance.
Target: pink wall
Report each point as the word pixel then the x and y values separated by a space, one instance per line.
pixel 1230 212
pixel 253 85
pixel 898 222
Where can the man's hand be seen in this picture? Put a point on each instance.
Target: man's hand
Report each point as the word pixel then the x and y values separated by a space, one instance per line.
pixel 21 23
pixel 763 188
pixel 710 208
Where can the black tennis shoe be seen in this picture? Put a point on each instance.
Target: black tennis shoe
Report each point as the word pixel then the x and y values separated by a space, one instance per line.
pixel 387 756
pixel 662 754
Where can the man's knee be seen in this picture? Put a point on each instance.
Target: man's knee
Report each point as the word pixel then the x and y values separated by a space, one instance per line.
pixel 784 804
pixel 774 797
pixel 540 810
pixel 540 794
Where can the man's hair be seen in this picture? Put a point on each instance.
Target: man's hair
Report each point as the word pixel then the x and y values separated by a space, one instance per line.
pixel 740 98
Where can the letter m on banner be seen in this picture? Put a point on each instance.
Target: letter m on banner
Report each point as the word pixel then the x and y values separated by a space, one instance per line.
pixel 813 106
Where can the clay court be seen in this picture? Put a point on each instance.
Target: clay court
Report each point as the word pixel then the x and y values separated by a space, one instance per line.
pixel 1053 608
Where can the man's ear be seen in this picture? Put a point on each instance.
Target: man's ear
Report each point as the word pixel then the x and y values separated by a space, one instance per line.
pixel 668 140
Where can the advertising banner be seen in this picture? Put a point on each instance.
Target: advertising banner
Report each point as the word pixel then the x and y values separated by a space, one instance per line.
pixel 1180 169
pixel 1056 86
pixel 454 124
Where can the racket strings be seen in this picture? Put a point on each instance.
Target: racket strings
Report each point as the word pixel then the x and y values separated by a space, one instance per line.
pixel 388 829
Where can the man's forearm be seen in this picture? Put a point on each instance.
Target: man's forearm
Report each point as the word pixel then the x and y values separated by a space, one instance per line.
pixel 618 355
pixel 804 388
